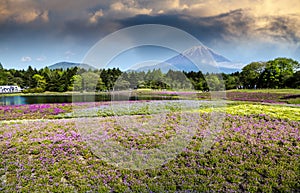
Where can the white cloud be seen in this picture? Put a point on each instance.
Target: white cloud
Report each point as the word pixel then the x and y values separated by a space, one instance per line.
pixel 118 6
pixel 95 16
pixel 26 16
pixel 128 8
pixel 26 59
pixel 40 59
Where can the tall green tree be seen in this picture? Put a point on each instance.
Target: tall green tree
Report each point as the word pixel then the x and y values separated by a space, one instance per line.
pixel 215 82
pixel 76 82
pixel 197 79
pixel 232 81
pixel 29 81
pixel 41 82
pixel 250 74
pixel 89 80
pixel 294 81
pixel 277 72
pixel 121 84
pixel 100 85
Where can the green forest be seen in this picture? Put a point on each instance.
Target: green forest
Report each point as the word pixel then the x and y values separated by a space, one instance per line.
pixel 277 73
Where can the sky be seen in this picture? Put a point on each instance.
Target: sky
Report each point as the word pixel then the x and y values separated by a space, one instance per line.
pixel 43 32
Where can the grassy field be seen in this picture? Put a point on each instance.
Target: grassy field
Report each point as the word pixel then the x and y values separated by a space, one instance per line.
pixel 48 148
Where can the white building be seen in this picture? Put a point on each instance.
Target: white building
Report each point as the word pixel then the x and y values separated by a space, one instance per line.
pixel 10 89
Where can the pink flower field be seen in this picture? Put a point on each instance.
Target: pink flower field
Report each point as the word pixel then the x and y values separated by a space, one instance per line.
pixel 251 153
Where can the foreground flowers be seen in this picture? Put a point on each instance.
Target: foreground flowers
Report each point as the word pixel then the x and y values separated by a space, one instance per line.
pixel 251 153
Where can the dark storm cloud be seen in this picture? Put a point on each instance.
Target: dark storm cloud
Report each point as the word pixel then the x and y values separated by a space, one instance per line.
pixel 73 20
pixel 206 29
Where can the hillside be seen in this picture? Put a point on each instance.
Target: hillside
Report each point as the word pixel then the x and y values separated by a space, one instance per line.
pixel 66 65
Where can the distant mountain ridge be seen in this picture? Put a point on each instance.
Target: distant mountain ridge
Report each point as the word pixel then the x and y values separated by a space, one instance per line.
pixel 195 59
pixel 66 65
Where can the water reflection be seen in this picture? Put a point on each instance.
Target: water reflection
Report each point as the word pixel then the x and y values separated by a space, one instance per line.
pixel 20 100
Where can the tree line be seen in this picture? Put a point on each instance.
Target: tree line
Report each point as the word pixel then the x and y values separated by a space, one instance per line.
pixel 277 73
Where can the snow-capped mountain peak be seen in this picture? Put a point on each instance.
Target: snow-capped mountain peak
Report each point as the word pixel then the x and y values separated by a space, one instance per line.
pixel 198 58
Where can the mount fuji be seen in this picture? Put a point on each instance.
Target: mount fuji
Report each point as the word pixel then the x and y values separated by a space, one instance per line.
pixel 194 59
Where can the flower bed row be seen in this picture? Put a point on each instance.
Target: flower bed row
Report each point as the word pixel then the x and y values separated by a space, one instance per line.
pixel 117 108
pixel 48 111
pixel 41 111
pixel 271 97
pixel 36 111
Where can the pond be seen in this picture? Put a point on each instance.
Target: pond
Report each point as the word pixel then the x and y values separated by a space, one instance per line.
pixel 42 99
